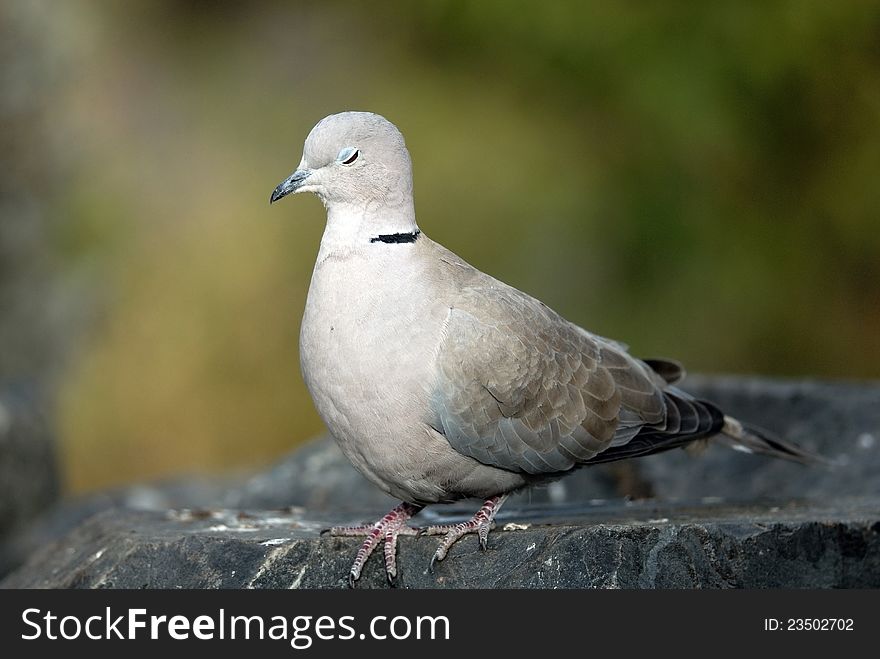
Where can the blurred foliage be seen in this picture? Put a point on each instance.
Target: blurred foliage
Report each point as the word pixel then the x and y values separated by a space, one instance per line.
pixel 696 179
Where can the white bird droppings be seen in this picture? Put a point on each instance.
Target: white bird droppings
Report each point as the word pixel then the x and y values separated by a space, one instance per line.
pixel 273 541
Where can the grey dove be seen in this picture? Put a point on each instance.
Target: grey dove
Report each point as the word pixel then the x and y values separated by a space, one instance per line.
pixel 441 383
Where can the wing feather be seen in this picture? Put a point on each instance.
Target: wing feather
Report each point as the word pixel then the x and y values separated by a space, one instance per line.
pixel 520 388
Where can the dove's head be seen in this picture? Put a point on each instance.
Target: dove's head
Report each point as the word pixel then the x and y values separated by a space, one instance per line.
pixel 354 159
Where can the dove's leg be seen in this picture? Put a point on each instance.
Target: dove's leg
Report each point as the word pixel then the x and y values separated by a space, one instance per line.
pixel 481 523
pixel 387 530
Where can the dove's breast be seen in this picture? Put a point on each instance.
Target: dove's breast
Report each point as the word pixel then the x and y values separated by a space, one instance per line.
pixel 367 340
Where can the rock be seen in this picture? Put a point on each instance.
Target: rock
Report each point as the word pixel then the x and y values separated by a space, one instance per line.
pixel 817 510
pixel 29 481
pixel 840 420
pixel 317 477
pixel 639 545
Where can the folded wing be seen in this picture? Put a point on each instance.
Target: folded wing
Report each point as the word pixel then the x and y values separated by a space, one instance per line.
pixel 520 388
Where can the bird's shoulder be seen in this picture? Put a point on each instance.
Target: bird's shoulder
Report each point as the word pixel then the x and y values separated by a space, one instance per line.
pixel 475 297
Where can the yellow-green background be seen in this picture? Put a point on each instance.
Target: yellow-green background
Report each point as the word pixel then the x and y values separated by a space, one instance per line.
pixel 699 180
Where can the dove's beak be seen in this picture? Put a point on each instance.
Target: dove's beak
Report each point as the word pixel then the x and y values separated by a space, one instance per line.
pixel 292 184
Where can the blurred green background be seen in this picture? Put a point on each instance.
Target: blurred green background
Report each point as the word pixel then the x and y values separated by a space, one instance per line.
pixel 699 180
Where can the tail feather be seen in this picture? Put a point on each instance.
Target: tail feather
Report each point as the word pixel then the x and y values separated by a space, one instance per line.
pixel 751 439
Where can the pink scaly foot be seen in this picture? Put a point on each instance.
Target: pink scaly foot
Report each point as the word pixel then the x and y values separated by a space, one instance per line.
pixel 481 523
pixel 386 529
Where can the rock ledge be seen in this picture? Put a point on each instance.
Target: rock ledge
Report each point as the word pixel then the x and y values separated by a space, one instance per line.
pixel 604 545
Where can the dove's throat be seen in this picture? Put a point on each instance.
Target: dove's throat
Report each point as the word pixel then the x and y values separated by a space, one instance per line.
pixel 351 227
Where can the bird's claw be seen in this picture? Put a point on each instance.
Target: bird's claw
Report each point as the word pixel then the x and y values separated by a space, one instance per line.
pixel 386 530
pixel 481 523
pixel 391 526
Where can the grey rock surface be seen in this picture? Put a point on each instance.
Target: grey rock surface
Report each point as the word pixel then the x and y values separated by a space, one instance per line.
pixel 729 496
pixel 640 545
pixel 29 481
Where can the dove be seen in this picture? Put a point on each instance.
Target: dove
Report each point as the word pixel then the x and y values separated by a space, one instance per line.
pixel 441 383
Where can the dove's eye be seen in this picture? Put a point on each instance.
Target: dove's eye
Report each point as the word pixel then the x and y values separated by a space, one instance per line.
pixel 348 155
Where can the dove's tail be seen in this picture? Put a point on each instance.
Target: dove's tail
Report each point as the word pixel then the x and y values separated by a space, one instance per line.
pixel 750 439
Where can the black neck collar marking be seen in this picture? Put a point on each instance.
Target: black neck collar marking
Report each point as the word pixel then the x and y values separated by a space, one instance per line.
pixel 393 238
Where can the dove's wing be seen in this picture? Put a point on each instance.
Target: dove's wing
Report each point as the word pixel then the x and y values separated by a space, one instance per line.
pixel 521 388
